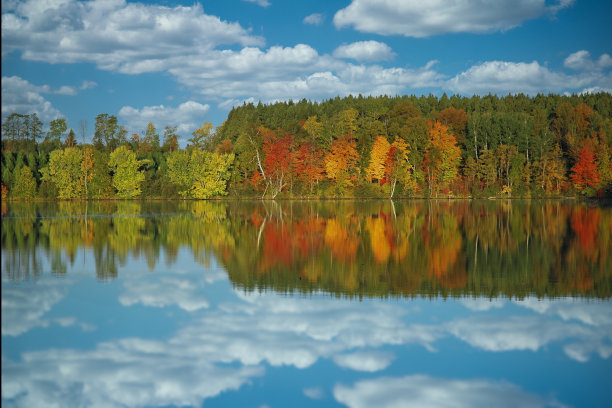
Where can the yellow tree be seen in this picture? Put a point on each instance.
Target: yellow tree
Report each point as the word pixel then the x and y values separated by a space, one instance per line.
pixel 378 155
pixel 399 168
pixel 342 157
pixel 314 128
pixel 87 165
pixel 127 175
pixel 442 158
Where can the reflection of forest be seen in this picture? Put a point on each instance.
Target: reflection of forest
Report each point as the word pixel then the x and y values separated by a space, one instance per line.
pixel 348 248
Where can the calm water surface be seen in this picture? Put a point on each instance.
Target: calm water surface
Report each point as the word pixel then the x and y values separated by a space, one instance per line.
pixel 357 304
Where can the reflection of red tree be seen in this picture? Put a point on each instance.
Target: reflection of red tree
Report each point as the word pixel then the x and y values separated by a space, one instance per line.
pixel 585 223
pixel 256 218
pixel 277 248
pixel 307 235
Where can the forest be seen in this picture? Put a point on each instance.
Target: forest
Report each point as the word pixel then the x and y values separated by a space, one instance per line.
pixel 352 147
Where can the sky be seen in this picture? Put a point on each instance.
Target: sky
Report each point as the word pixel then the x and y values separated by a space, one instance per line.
pixel 182 63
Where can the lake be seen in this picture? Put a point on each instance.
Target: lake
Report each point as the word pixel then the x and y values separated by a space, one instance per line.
pixel 332 303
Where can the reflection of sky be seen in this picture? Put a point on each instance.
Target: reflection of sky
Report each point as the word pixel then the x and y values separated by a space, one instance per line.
pixel 183 336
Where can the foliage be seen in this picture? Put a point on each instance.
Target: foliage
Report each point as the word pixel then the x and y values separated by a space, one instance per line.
pixel 127 175
pixel 65 171
pixel 403 146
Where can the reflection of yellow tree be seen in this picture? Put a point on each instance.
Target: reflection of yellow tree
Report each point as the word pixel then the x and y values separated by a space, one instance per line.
pixel 443 245
pixel 342 244
pixel 378 239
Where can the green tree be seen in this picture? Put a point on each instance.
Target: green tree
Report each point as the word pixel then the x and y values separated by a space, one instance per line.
pixel 57 128
pixel 25 184
pixel 127 175
pixel 209 172
pixel 64 170
pixel 201 136
pixel 170 139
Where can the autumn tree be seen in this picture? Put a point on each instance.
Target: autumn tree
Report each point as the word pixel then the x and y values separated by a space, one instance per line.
pixel 342 157
pixel 277 162
pixel 170 139
pixel 376 169
pixel 87 167
pixel 399 168
pixel 199 174
pixel 151 139
pixel 550 171
pixel 308 164
pixel 585 175
pixel 209 173
pixel 200 136
pixel 65 171
pixel 442 158
pixel 314 128
pixel 456 120
pixel 25 185
pixel 127 175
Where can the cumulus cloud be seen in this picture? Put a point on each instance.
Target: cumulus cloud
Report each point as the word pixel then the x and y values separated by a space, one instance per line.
pixel 199 360
pixel 313 393
pixel 88 85
pixel 21 96
pixel 581 61
pixel 364 361
pixel 365 51
pixel 314 19
pixel 415 18
pixel 114 35
pixel 262 3
pixel 426 391
pixel 513 77
pixel 25 306
pixel 127 372
pixel 165 291
pixel 187 116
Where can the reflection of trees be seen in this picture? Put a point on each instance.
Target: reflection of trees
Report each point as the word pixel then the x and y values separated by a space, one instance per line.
pixel 349 248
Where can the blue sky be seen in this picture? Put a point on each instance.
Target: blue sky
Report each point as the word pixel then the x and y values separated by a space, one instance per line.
pixel 182 63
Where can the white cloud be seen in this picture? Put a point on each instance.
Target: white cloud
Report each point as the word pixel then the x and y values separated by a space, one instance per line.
pixel 426 391
pixel 114 34
pixel 371 361
pixel 127 372
pixel 365 51
pixel 25 306
pixel 314 393
pixel 21 96
pixel 182 291
pixel 416 18
pixel 187 116
pixel 66 90
pixel 581 61
pixel 88 85
pixel 262 3
pixel 535 332
pixel 314 19
pixel 281 73
pixel 513 77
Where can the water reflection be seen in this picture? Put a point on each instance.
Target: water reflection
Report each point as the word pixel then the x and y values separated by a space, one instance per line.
pixel 480 248
pixel 186 303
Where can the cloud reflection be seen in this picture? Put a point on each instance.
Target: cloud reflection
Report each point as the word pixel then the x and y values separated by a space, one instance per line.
pixel 426 391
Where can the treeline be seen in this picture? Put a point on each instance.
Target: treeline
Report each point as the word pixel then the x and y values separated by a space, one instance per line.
pixel 514 146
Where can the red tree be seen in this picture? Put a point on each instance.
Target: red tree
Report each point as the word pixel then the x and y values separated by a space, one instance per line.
pixel 584 172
